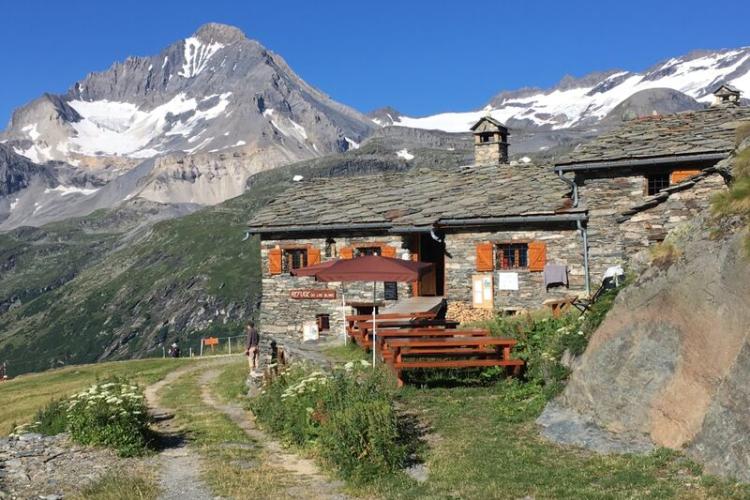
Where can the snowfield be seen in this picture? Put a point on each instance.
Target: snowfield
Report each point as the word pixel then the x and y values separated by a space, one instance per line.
pixel 559 109
pixel 121 128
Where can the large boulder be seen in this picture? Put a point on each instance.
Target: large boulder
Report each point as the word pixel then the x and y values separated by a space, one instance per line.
pixel 670 365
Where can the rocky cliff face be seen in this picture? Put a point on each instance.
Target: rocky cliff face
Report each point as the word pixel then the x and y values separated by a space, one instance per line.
pixel 670 365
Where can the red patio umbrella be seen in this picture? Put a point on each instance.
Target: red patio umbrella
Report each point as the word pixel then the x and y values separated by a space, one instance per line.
pixel 314 269
pixel 373 268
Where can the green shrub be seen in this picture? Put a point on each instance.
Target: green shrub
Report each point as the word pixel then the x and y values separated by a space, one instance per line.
pixel 52 419
pixel 347 417
pixel 111 414
pixel 543 339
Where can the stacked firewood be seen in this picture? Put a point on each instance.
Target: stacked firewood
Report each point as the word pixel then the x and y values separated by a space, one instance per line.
pixel 465 313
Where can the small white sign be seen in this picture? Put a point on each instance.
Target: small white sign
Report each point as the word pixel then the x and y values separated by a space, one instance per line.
pixel 507 281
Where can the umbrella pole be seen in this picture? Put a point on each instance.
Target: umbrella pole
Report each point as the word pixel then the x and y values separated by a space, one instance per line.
pixel 374 330
pixel 343 310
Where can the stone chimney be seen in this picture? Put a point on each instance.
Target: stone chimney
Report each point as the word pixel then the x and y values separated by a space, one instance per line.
pixel 490 142
pixel 726 95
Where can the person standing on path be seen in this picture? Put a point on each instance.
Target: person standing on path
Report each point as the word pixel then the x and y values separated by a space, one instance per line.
pixel 252 345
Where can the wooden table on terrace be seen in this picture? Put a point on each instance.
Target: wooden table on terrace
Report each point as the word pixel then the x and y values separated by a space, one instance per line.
pixel 451 352
pixel 365 327
pixel 386 335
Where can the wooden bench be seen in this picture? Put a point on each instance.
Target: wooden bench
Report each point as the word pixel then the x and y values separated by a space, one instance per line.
pixel 559 306
pixel 385 336
pixel 471 352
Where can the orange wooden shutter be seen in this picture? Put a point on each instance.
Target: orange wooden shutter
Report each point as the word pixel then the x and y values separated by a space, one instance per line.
pixel 537 255
pixel 313 256
pixel 274 261
pixel 346 253
pixel 484 257
pixel 681 175
pixel 388 251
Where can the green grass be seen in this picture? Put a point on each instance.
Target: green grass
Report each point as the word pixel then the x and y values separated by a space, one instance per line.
pixel 345 353
pixel 484 443
pixel 234 466
pixel 22 397
pixel 119 485
pixel 230 384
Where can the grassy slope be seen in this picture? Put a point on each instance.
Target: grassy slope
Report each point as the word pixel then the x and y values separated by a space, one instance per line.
pixel 483 442
pixel 23 396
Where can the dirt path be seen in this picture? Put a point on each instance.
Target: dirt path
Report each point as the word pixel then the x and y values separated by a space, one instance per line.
pixel 180 477
pixel 310 482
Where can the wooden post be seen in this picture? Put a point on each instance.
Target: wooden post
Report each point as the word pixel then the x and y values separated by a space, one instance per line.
pixel 191 352
pixel 163 352
pixel 230 345
pixel 201 346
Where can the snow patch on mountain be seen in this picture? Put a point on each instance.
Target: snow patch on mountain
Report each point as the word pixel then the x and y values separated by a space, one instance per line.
pixel 31 131
pixel 122 128
pixel 68 190
pixel 352 144
pixel 196 56
pixel 586 103
pixel 405 154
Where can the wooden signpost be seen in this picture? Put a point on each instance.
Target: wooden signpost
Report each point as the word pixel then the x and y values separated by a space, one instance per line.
pixel 211 341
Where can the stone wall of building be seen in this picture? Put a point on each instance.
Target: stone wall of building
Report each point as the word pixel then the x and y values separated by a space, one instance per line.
pixel 282 315
pixel 613 240
pixel 564 246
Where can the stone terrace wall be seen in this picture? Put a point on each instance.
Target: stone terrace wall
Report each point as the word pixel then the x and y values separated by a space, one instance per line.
pixel 613 241
pixel 282 315
pixel 564 246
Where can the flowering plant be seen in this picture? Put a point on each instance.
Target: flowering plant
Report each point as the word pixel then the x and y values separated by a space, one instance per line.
pixel 111 414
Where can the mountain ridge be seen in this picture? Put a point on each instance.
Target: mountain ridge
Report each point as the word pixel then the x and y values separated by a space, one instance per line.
pixel 576 102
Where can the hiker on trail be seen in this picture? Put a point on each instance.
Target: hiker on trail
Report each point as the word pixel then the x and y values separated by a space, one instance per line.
pixel 174 350
pixel 252 345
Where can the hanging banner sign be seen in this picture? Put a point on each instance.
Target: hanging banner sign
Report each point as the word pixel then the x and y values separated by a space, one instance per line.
pixel 321 293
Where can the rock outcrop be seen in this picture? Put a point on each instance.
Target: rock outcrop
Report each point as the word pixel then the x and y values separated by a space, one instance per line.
pixel 670 365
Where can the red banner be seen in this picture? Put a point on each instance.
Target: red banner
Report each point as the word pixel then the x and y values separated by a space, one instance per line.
pixel 320 293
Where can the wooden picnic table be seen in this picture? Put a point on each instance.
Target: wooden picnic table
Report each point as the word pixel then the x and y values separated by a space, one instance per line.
pixel 384 336
pixel 462 352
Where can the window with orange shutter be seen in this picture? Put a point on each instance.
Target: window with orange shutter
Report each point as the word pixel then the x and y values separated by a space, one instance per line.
pixel 484 260
pixel 274 261
pixel 681 175
pixel 313 256
pixel 294 258
pixel 512 256
pixel 537 255
pixel 346 253
pixel 388 251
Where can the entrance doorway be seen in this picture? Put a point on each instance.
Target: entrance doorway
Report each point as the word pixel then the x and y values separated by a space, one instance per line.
pixel 428 250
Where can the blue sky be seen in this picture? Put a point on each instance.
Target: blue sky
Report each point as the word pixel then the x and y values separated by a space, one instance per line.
pixel 421 57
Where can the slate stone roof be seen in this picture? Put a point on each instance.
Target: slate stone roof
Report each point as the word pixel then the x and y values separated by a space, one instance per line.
pixel 705 131
pixel 419 197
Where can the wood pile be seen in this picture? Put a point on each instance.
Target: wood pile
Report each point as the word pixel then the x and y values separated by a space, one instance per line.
pixel 464 313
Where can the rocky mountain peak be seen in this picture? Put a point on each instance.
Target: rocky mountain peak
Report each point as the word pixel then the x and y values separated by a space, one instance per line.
pixel 221 33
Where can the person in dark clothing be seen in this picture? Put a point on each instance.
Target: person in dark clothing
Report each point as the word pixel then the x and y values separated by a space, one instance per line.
pixel 252 345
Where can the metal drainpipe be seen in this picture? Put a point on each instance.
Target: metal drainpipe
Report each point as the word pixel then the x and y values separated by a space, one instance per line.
pixel 582 230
